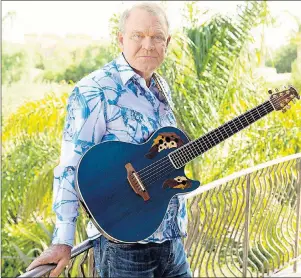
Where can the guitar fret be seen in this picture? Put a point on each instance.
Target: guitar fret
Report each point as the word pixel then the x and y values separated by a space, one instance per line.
pixel 258 113
pixel 226 131
pixel 221 133
pixel 235 125
pixel 252 116
pixel 195 148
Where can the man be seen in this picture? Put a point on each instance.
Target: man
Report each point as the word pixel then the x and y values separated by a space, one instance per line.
pixel 122 102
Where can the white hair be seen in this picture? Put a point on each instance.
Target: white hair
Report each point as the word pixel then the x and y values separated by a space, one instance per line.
pixel 152 8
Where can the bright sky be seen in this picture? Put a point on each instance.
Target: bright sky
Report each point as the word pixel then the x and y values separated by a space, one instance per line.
pixel 92 17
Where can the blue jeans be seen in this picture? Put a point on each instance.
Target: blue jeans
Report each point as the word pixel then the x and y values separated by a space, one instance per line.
pixel 167 259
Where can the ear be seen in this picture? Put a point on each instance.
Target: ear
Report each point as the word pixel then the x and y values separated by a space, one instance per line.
pixel 167 43
pixel 120 40
pixel 168 40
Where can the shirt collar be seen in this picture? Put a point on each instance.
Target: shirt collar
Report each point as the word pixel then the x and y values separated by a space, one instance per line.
pixel 126 71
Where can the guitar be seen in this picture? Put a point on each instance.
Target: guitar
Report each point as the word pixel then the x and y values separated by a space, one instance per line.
pixel 127 196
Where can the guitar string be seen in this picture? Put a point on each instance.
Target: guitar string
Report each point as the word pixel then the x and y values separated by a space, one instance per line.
pixel 147 177
pixel 170 167
pixel 228 124
pixel 166 167
pixel 196 148
pixel 266 112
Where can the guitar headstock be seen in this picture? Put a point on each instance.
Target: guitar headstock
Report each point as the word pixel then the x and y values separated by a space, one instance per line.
pixel 280 100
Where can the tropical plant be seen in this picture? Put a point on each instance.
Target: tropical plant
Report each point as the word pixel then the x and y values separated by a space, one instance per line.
pixel 29 155
pixel 212 76
pixel 210 71
pixel 213 80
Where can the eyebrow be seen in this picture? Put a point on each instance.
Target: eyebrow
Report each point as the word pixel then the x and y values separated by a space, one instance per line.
pixel 141 32
pixel 136 31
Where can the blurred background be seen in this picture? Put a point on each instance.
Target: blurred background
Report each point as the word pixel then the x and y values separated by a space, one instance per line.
pixel 223 58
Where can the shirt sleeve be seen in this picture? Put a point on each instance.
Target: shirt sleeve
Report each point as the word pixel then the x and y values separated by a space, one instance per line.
pixel 85 125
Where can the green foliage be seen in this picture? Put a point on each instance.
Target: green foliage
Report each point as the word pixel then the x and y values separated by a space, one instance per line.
pixel 54 59
pixel 30 152
pixel 92 58
pixel 14 62
pixel 296 74
pixel 17 94
pixel 217 45
pixel 210 71
pixel 221 86
pixel 283 58
pixel 31 149
pixel 114 29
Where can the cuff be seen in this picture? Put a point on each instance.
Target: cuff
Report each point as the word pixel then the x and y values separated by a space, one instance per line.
pixel 64 233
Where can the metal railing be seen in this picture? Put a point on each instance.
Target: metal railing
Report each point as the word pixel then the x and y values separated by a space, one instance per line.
pixel 244 225
pixel 247 224
pixel 81 253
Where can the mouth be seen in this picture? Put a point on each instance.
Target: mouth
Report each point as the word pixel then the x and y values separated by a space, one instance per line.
pixel 147 57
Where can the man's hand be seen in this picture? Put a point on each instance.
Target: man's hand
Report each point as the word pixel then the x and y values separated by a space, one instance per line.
pixel 59 254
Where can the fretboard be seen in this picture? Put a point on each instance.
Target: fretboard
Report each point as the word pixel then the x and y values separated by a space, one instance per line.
pixel 181 156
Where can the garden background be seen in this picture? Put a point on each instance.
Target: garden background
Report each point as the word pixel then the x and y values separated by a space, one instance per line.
pixel 223 58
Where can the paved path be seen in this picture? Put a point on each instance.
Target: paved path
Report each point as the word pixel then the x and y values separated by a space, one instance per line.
pixel 288 272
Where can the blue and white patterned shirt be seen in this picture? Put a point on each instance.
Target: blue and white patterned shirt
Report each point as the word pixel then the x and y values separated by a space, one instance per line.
pixel 110 104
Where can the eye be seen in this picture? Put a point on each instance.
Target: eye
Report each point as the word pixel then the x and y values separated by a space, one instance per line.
pixel 159 38
pixel 137 36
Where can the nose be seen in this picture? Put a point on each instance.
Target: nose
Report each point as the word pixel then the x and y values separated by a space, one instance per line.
pixel 148 43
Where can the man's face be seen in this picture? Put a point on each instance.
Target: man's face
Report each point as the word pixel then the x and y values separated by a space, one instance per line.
pixel 145 41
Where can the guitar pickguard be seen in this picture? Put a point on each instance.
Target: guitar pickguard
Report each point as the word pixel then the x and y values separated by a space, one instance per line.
pixel 164 141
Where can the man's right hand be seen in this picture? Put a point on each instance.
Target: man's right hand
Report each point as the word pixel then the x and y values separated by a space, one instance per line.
pixel 59 254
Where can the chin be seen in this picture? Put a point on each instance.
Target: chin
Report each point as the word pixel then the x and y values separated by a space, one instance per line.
pixel 147 68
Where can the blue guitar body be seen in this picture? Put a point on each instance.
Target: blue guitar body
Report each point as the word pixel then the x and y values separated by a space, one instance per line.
pixel 126 188
pixel 104 188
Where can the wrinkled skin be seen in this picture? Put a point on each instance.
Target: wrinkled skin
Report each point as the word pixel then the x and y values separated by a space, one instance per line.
pixel 59 254
pixel 144 42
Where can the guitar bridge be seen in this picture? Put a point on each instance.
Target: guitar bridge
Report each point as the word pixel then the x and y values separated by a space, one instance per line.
pixel 135 182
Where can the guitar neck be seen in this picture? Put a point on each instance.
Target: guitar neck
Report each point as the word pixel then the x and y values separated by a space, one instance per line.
pixel 181 156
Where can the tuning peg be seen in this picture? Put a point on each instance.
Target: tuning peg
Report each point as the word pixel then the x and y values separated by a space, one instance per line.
pixel 270 91
pixel 294 100
pixel 277 90
pixel 283 110
pixel 288 107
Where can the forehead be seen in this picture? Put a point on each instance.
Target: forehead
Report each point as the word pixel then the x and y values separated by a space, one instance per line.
pixel 143 20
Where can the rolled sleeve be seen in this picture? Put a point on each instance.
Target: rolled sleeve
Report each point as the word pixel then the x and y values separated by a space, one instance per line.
pixel 64 233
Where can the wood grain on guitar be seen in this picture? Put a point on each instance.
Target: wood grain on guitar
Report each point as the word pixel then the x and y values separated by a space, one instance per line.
pixel 135 182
